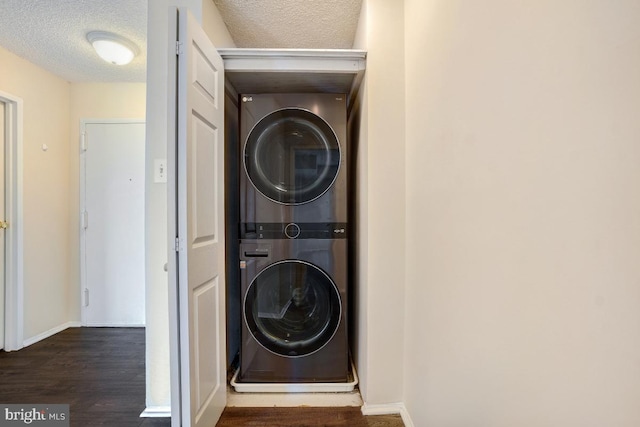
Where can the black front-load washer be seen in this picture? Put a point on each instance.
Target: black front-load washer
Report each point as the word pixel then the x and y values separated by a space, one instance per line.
pixel 294 310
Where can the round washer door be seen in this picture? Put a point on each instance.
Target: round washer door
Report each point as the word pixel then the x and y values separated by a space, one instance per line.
pixel 292 156
pixel 292 308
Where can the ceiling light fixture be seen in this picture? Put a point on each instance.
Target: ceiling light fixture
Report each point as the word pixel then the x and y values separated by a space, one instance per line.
pixel 112 47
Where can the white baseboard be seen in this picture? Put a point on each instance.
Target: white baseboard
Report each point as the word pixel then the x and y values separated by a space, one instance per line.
pixel 49 333
pixel 156 412
pixel 406 419
pixel 389 408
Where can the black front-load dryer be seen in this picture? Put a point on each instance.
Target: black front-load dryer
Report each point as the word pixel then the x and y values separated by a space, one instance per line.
pixel 294 311
pixel 293 149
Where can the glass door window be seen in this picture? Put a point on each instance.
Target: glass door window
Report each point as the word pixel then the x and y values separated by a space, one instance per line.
pixel 292 308
pixel 292 156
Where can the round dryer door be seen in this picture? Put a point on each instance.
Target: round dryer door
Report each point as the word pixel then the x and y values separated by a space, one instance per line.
pixel 292 156
pixel 292 308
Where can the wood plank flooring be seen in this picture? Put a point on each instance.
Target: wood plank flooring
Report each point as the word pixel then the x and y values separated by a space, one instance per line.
pixel 304 417
pixel 100 373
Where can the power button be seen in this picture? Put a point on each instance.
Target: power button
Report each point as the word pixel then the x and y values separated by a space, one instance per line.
pixel 292 230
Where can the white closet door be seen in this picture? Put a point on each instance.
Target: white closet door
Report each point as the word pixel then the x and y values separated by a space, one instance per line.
pixel 200 202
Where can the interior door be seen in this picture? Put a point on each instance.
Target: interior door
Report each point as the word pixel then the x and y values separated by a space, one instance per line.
pixel 200 215
pixel 2 218
pixel 113 229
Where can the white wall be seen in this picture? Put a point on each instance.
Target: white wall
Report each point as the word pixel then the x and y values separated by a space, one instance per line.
pixel 358 126
pixel 380 215
pixel 157 303
pixel 53 109
pixel 93 101
pixel 46 191
pixel 214 26
pixel 523 231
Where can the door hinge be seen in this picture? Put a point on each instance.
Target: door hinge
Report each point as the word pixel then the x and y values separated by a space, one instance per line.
pixel 83 141
pixel 177 247
pixel 86 297
pixel 179 48
pixel 84 220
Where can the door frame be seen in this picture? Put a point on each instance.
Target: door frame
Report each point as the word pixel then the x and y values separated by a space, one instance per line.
pixel 14 260
pixel 175 382
pixel 83 201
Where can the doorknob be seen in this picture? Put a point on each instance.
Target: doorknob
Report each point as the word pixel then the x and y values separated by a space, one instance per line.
pixel 4 224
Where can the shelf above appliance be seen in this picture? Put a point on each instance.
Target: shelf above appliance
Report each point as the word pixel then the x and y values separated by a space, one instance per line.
pixel 294 70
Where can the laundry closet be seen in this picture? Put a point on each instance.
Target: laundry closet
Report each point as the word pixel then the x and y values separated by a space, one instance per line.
pixel 289 188
pixel 374 102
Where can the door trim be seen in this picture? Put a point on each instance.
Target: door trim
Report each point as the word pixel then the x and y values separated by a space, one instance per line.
pixel 83 204
pixel 14 260
pixel 172 220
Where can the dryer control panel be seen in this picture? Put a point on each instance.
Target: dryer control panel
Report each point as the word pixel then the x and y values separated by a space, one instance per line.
pixel 292 230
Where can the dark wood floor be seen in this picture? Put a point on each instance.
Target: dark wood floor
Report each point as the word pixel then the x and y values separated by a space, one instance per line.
pixel 100 373
pixel 304 417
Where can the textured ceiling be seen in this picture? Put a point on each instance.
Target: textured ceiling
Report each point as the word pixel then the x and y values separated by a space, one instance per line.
pixel 308 24
pixel 52 33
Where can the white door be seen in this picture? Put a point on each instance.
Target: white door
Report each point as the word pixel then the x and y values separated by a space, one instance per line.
pixel 113 224
pixel 2 218
pixel 200 214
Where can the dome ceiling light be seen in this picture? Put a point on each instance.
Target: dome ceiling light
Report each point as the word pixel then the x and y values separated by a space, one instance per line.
pixel 112 47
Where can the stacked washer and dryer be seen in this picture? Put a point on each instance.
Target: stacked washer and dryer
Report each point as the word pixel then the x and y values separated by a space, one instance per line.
pixel 293 238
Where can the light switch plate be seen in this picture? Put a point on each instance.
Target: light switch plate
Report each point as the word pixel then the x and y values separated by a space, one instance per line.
pixel 160 170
